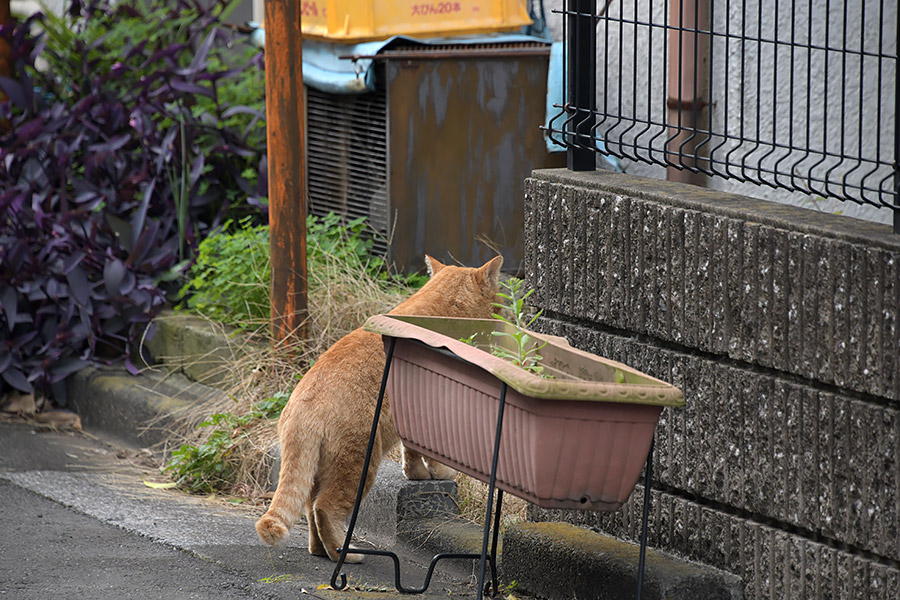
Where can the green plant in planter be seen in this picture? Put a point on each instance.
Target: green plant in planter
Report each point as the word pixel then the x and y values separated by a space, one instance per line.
pixel 525 349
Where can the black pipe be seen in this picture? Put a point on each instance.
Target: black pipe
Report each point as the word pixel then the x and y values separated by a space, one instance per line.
pixel 581 53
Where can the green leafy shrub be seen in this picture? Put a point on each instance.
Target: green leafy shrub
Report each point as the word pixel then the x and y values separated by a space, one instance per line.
pixel 328 236
pixel 144 132
pixel 210 465
pixel 229 282
pixel 329 239
pixel 141 50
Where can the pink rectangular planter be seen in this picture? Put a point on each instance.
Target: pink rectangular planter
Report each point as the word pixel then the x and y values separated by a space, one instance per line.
pixel 578 440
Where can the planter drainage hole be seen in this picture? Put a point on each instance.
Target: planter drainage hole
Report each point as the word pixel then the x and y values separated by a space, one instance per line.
pixel 584 500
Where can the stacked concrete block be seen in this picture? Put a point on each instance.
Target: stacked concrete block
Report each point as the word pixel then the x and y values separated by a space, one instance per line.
pixel 780 326
pixel 787 292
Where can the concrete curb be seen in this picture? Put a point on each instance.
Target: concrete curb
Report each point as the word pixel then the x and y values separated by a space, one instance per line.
pixel 557 561
pixel 394 502
pixel 195 347
pixel 137 410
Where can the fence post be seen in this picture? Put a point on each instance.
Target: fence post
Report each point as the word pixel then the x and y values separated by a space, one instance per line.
pixel 287 171
pixel 581 57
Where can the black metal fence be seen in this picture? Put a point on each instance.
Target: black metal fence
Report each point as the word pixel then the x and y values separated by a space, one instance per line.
pixel 799 95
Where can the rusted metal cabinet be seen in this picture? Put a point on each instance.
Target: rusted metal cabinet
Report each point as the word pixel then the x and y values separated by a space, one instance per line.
pixel 436 157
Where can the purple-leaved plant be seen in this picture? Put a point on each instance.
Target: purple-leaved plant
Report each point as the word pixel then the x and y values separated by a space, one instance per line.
pixel 114 161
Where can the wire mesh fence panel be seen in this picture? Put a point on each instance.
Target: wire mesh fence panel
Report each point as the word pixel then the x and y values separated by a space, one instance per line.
pixel 792 94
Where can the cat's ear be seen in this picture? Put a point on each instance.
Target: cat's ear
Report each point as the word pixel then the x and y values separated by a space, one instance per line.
pixel 491 270
pixel 433 265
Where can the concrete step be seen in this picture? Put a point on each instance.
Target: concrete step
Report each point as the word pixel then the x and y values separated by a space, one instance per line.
pixel 201 350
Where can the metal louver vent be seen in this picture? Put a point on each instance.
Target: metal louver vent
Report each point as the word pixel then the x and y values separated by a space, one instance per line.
pixel 347 157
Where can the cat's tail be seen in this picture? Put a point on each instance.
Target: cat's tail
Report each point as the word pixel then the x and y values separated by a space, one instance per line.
pixel 299 462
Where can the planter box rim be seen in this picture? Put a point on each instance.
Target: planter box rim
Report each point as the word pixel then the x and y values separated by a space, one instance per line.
pixel 648 391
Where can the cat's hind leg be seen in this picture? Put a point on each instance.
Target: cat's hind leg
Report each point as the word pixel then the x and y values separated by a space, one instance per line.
pixel 329 524
pixel 316 548
pixel 334 502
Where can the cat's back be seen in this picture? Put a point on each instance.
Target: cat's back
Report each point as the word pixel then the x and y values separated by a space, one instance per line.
pixel 353 360
pixel 350 371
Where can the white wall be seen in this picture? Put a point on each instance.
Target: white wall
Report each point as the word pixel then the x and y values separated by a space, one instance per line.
pixel 249 9
pixel 29 7
pixel 781 111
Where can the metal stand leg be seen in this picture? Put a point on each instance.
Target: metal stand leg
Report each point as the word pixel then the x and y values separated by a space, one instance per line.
pixel 646 515
pixel 365 471
pixel 494 542
pixel 490 503
pixel 359 494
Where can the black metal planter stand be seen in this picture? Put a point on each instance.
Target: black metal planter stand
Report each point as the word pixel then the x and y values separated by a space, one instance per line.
pixel 485 557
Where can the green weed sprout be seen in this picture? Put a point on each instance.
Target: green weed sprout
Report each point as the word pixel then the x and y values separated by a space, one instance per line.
pixel 207 467
pixel 525 353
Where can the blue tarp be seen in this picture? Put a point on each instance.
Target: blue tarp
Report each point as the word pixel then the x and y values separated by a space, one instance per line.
pixel 325 71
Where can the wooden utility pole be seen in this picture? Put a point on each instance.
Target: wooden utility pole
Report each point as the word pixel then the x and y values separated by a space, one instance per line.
pixel 5 50
pixel 287 169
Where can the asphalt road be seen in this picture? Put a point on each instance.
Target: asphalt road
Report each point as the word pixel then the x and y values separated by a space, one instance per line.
pixel 77 521
pixel 51 551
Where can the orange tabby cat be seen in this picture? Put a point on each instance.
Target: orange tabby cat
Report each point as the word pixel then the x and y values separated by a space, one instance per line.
pixel 325 426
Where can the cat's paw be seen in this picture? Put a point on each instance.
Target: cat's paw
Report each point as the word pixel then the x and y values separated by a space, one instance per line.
pixel 439 471
pixel 351 558
pixel 272 530
pixel 415 469
pixel 316 548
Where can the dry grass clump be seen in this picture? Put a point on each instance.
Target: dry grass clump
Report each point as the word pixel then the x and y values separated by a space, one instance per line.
pixel 342 294
pixel 472 497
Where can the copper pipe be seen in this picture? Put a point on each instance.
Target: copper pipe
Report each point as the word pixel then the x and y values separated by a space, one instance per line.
pixel 688 57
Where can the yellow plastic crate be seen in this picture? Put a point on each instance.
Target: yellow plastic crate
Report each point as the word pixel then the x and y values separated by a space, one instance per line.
pixel 362 20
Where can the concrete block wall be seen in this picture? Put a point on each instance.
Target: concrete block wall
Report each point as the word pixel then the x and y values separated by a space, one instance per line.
pixel 780 326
